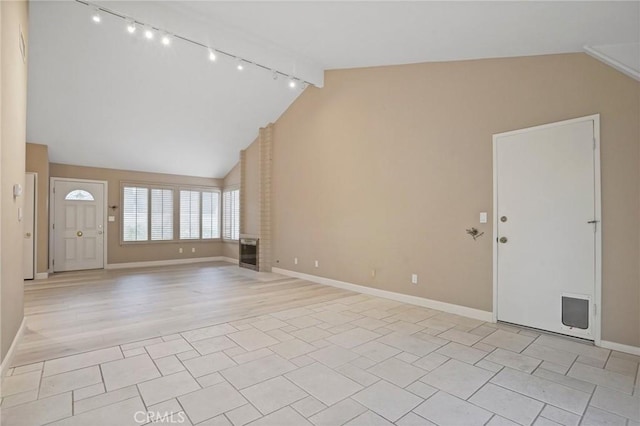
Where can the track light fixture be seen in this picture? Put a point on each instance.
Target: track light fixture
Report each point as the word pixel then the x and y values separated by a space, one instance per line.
pixel 96 16
pixel 166 38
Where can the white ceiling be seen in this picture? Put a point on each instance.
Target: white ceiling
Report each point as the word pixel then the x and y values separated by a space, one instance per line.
pixel 101 97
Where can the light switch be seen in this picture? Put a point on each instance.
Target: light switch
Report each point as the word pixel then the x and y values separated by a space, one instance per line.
pixel 483 217
pixel 112 218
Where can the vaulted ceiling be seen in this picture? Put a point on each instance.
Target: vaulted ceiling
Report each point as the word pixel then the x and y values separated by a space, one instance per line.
pixel 99 96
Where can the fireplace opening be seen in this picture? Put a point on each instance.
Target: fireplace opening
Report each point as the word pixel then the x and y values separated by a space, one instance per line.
pixel 249 253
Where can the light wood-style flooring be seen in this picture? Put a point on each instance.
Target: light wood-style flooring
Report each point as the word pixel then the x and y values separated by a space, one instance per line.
pixel 76 312
pixel 214 344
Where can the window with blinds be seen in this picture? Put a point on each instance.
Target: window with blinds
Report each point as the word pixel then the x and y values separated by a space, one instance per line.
pixel 210 215
pixel 147 214
pixel 135 213
pixel 189 215
pixel 199 214
pixel 161 214
pixel 231 215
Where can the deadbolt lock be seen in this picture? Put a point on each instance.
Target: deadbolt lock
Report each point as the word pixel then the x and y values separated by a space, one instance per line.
pixel 503 219
pixel 503 240
pixel 79 233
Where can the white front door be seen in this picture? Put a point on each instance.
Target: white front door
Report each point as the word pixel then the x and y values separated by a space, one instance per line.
pixel 546 229
pixel 78 225
pixel 28 219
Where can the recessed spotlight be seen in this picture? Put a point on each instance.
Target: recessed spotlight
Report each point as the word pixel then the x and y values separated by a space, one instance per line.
pixel 166 39
pixel 292 83
pixel 131 27
pixel 212 55
pixel 148 34
pixel 240 65
pixel 96 16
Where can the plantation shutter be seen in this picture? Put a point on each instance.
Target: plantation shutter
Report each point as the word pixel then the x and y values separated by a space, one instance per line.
pixel 210 215
pixel 189 215
pixel 135 210
pixel 161 214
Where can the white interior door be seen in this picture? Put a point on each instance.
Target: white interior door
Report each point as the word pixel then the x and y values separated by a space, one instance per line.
pixel 78 225
pixel 546 208
pixel 28 220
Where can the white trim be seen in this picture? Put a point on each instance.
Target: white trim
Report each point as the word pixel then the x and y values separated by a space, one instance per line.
pixel 399 297
pixel 35 223
pixel 597 323
pixel 167 262
pixel 52 215
pixel 6 361
pixel 634 350
pixel 602 57
pixel 595 119
pixel 229 259
pixel 41 275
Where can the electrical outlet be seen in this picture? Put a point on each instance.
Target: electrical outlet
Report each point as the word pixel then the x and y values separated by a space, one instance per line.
pixel 317 264
pixel 414 278
pixel 180 250
pixel 483 217
pixel 295 260
pixel 193 249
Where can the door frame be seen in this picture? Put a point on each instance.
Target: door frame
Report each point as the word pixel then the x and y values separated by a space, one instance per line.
pixel 52 214
pixel 35 223
pixel 595 119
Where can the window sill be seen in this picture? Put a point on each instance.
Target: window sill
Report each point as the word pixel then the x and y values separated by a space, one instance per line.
pixel 137 243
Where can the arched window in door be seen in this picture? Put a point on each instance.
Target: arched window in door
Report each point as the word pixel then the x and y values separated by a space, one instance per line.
pixel 79 195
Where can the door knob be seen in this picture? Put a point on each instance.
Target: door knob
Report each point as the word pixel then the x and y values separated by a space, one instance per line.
pixel 503 219
pixel 503 240
pixel 28 235
pixel 79 233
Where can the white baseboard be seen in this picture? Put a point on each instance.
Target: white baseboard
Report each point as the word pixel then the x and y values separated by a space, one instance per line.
pixel 6 362
pixel 399 297
pixel 229 260
pixel 41 276
pixel 633 350
pixel 163 262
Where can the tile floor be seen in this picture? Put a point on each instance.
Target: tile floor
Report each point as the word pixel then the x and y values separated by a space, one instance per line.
pixel 357 360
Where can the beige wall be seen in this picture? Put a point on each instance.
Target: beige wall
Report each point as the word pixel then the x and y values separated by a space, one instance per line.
pixel 13 106
pixel 232 180
pixel 384 168
pixel 37 161
pixel 119 253
pixel 251 195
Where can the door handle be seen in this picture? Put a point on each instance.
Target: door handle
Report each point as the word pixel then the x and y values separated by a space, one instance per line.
pixel 79 233
pixel 27 235
pixel 503 240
